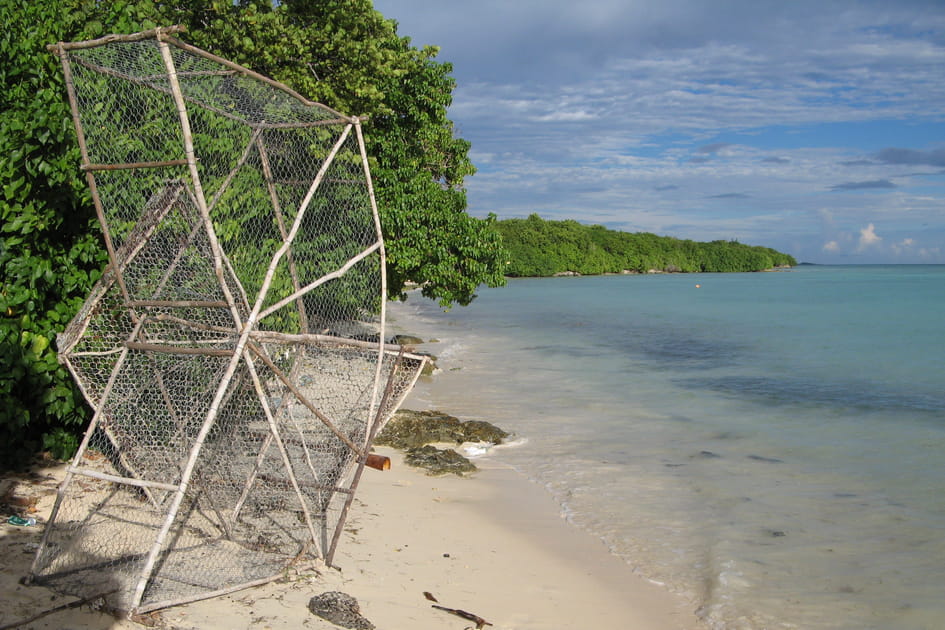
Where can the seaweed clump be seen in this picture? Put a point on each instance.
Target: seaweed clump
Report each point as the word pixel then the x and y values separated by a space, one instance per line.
pixel 414 432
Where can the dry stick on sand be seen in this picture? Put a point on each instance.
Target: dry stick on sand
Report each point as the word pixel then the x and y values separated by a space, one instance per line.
pixel 75 604
pixel 479 621
pixel 476 619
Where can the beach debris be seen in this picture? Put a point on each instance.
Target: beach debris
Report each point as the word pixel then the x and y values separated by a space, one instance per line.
pixel 21 522
pixel 468 616
pixel 377 462
pixel 341 609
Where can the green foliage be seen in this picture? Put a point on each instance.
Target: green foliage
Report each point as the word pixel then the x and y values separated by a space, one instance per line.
pixel 544 248
pixel 346 55
pixel 339 52
pixel 50 251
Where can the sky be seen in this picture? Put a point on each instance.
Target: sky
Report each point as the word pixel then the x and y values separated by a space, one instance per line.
pixel 815 128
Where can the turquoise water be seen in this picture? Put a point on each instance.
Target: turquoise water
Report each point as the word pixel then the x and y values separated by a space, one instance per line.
pixel 770 445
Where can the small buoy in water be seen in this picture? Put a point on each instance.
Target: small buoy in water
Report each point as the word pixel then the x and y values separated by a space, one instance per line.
pixel 698 286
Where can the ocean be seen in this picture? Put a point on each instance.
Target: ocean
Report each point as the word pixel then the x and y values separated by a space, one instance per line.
pixel 770 445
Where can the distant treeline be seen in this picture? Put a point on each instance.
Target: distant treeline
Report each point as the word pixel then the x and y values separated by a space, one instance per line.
pixel 545 248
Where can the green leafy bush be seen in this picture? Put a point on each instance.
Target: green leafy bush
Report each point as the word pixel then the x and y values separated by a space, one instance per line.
pixel 339 52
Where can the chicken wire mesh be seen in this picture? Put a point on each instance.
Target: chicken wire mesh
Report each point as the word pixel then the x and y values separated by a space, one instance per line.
pixel 233 351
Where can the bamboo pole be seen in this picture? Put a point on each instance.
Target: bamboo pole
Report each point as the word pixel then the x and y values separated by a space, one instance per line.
pixel 178 303
pixel 236 169
pixel 147 223
pixel 254 473
pixel 303 399
pixel 223 591
pixel 127 481
pixel 368 435
pixel 334 275
pixel 361 462
pixel 108 39
pixel 95 353
pixel 277 210
pixel 146 572
pixel 89 177
pixel 131 165
pixel 307 484
pixel 277 439
pixel 296 225
pixel 80 452
pixel 267 336
pixel 153 347
pixel 249 73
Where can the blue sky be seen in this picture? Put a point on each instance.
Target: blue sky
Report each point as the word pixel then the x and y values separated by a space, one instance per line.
pixel 816 128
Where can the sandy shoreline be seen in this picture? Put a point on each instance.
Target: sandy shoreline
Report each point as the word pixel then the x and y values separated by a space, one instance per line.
pixel 493 545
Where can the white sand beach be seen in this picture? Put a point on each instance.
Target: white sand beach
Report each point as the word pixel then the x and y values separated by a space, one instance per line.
pixel 492 544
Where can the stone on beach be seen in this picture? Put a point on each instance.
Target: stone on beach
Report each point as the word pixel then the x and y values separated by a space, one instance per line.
pixel 341 609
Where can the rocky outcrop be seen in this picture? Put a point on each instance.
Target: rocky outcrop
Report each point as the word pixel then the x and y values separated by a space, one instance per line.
pixel 410 429
pixel 414 432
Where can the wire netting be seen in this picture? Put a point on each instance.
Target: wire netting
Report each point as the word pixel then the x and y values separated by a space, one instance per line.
pixel 234 350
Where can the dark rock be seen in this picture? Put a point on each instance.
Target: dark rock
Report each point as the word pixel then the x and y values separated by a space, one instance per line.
pixel 406 340
pixel 410 429
pixel 482 431
pixel 341 609
pixel 439 462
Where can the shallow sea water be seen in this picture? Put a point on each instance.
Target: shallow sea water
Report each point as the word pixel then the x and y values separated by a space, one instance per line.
pixel 770 445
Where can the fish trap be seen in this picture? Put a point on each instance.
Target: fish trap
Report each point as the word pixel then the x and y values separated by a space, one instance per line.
pixel 233 351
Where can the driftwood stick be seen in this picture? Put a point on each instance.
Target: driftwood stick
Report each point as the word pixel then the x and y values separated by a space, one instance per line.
pixel 45 613
pixel 476 619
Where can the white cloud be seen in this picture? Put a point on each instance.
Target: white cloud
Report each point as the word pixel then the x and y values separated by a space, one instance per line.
pixel 868 237
pixel 595 111
pixel 903 246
